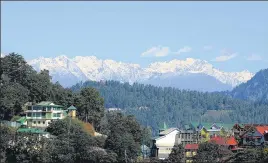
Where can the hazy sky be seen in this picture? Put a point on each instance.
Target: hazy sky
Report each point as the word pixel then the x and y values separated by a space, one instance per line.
pixel 233 36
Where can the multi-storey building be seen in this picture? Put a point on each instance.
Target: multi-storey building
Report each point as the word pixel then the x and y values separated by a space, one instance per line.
pixel 43 113
pixel 163 144
pixel 188 136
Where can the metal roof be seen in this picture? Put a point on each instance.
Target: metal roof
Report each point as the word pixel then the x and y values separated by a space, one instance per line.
pixel 168 131
pixel 32 130
pixel 71 108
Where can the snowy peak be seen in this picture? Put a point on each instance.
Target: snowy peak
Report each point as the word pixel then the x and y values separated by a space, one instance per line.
pixel 91 68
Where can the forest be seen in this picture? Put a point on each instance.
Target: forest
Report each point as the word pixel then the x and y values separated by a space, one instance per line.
pixel 144 108
pixel 153 106
pixel 21 85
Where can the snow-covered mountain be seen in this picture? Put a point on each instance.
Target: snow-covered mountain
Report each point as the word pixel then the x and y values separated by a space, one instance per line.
pixel 70 71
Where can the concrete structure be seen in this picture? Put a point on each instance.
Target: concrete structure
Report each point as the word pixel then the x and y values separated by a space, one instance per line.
pixel 163 144
pixel 72 111
pixel 188 136
pixel 43 113
pixel 190 151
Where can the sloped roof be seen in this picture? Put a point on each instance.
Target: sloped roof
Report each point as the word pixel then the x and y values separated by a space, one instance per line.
pixel 191 146
pixel 168 131
pixel 71 108
pixel 21 119
pixel 262 129
pixel 31 130
pixel 223 141
pixel 218 140
pixel 231 141
pixel 48 103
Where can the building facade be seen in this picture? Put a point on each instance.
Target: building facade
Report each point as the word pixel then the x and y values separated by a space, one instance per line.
pixel 43 113
pixel 188 136
pixel 163 144
pixel 190 152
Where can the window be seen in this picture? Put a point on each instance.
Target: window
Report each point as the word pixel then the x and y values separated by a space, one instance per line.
pixel 34 122
pixel 57 115
pixel 182 135
pixel 29 114
pixel 44 122
pixel 38 122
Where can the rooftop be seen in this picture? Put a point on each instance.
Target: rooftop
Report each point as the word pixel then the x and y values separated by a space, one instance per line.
pixel 262 129
pixel 224 141
pixel 21 119
pixel 48 103
pixel 191 146
pixel 167 131
pixel 71 108
pixel 32 130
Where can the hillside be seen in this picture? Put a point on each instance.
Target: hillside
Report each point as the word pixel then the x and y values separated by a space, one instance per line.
pixel 174 73
pixel 256 89
pixel 155 105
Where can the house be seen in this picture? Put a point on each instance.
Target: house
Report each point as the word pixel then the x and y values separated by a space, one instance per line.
pixel 256 135
pixel 209 130
pixel 163 144
pixel 43 113
pixel 190 151
pixel 228 142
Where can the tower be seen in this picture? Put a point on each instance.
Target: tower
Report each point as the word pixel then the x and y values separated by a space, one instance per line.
pixel 72 111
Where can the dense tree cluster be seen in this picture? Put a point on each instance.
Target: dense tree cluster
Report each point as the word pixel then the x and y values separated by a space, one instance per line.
pixel 256 89
pixel 177 154
pixel 20 83
pixel 153 106
pixel 72 140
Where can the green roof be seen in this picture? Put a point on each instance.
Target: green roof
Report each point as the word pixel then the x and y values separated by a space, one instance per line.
pixel 48 103
pixel 226 125
pixel 72 108
pixel 204 124
pixel 21 120
pixel 31 130
pixel 208 125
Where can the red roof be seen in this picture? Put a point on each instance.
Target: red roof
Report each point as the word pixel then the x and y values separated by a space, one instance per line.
pixel 231 141
pixel 262 129
pixel 218 140
pixel 223 141
pixel 191 146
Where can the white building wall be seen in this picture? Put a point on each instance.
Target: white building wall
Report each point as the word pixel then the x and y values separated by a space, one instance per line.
pixel 165 144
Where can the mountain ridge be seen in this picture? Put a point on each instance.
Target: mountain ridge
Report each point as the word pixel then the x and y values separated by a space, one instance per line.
pixel 82 68
pixel 255 89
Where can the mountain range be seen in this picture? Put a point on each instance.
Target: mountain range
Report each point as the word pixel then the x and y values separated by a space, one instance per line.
pixel 192 74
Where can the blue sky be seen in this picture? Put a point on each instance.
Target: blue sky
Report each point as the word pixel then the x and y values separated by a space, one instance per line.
pixel 233 36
